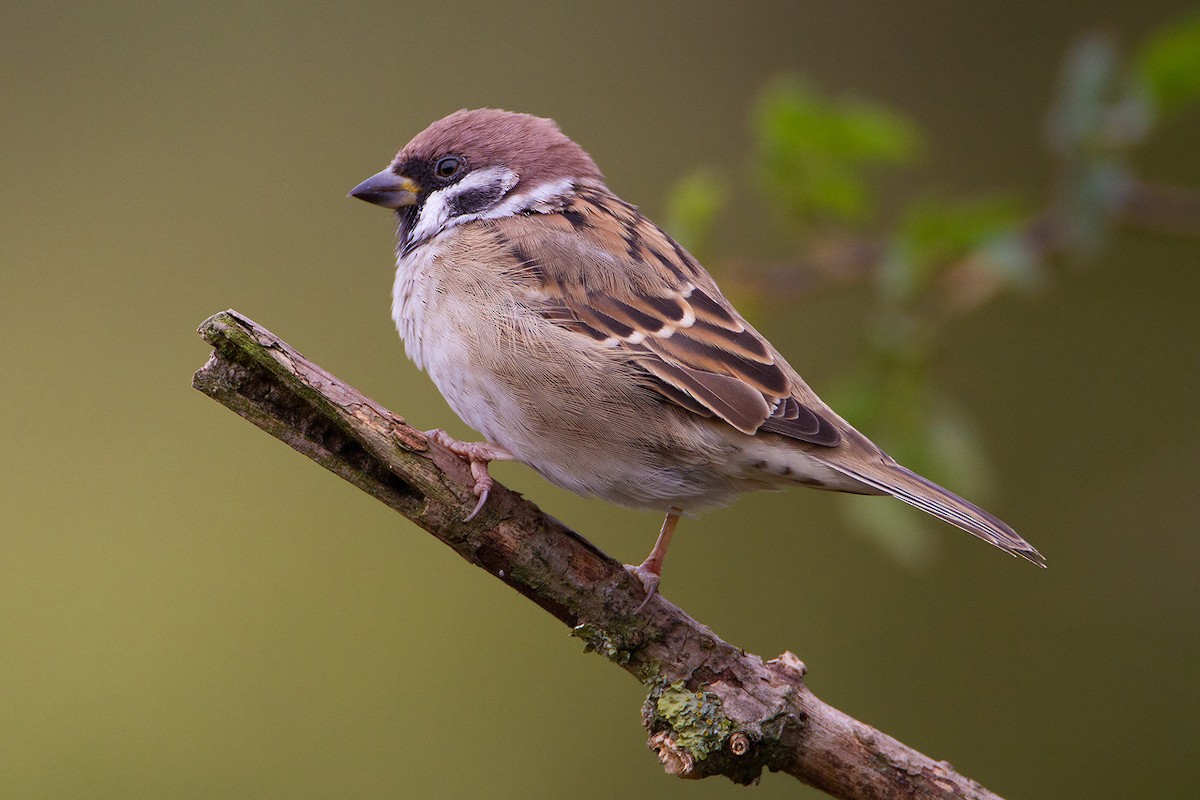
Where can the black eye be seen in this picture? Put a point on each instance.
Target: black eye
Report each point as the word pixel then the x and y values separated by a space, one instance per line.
pixel 447 166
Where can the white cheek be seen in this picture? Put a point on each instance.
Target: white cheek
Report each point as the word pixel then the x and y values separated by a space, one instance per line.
pixel 431 218
pixel 435 212
pixel 544 194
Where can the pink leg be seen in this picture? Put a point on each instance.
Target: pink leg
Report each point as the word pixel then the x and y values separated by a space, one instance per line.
pixel 650 570
pixel 477 454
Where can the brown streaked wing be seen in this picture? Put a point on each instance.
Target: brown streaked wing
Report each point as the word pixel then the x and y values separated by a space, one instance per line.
pixel 683 348
pixel 698 353
pixel 808 427
pixel 734 401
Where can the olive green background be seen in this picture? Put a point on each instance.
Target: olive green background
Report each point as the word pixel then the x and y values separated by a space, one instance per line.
pixel 190 609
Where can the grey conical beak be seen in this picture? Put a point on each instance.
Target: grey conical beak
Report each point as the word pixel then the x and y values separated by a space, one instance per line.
pixel 387 189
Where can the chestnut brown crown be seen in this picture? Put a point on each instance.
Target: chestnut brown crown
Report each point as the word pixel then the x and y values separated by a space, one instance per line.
pixel 532 147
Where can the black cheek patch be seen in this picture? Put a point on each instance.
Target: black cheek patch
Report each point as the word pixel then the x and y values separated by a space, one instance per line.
pixel 472 201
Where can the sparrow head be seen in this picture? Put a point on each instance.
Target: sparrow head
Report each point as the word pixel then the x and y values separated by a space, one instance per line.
pixel 477 164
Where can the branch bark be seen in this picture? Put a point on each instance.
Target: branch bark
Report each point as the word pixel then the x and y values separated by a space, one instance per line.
pixel 711 709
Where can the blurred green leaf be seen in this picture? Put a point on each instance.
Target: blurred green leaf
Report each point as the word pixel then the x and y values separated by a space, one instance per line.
pixel 944 230
pixel 815 153
pixel 692 206
pixel 1169 64
pixel 957 455
pixel 857 398
pixel 1089 194
pixel 937 233
pixel 1102 112
pixel 888 393
pixel 1012 258
pixel 1088 89
pixel 894 527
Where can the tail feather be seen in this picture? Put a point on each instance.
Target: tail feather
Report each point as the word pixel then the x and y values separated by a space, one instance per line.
pixel 904 484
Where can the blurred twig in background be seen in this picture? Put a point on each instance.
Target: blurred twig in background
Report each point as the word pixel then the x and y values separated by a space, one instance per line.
pixel 814 163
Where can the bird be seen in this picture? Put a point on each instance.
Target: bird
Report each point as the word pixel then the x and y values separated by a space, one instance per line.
pixel 582 340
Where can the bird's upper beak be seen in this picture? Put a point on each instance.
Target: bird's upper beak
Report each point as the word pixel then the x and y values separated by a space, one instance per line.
pixel 388 189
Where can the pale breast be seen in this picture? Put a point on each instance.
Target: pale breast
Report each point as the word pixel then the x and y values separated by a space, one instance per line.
pixel 559 401
pixel 469 323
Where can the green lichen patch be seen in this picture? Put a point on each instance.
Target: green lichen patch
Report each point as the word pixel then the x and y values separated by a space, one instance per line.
pixel 597 640
pixel 696 720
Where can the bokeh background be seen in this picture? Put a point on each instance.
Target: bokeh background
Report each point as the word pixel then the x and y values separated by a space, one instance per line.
pixel 190 609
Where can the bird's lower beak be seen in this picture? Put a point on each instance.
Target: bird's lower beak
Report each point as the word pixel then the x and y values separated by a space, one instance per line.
pixel 387 189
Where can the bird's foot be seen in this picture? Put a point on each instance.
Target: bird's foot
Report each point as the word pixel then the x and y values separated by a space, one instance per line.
pixel 649 572
pixel 650 580
pixel 478 455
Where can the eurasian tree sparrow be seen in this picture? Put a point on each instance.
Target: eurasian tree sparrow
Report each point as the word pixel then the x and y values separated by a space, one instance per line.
pixel 582 340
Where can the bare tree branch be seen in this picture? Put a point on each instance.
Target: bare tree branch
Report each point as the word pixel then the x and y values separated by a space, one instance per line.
pixel 712 709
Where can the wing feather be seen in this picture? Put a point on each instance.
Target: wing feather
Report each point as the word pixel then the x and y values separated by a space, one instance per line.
pixel 683 348
pixel 659 306
pixel 734 401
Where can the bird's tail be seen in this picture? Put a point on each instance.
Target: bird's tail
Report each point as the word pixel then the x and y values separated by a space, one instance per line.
pixel 904 484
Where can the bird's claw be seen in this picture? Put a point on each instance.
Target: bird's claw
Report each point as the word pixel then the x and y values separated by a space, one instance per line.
pixel 478 455
pixel 649 580
pixel 483 496
pixel 483 487
pixel 649 572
